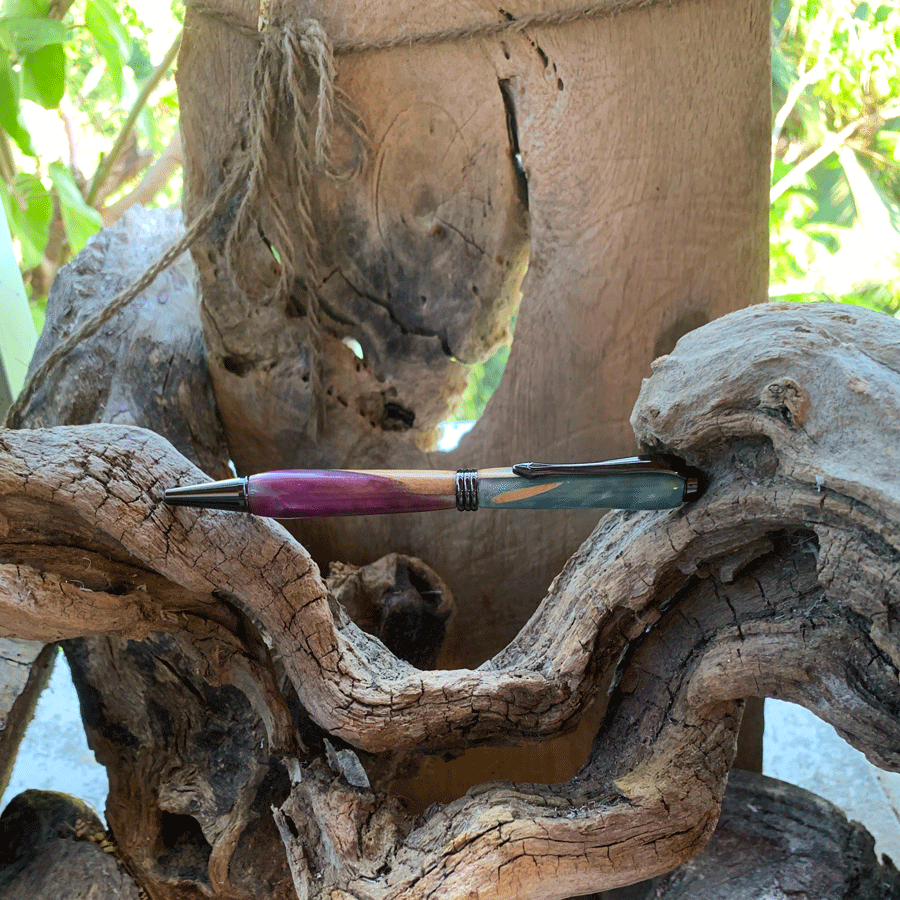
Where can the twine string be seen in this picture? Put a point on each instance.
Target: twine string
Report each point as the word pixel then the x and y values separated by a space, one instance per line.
pixel 289 58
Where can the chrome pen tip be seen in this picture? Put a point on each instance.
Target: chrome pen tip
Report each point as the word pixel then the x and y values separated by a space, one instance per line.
pixel 230 495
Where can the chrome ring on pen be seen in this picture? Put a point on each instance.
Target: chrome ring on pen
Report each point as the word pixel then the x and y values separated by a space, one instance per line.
pixel 467 490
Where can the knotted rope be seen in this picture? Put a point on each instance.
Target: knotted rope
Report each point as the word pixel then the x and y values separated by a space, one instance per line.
pixel 294 56
pixel 289 59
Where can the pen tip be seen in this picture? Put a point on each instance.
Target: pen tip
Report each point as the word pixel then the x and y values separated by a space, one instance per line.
pixel 229 495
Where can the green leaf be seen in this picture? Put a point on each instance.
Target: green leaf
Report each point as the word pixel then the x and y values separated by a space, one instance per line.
pixel 17 334
pixel 22 35
pixel 79 220
pixel 140 63
pixel 107 29
pixel 44 76
pixel 882 13
pixel 111 38
pixel 24 9
pixel 38 313
pixel 29 210
pixel 10 115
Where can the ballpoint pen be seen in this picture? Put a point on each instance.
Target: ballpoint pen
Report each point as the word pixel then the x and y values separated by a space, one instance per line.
pixel 639 482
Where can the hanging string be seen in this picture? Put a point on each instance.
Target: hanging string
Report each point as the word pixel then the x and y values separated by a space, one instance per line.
pixel 289 58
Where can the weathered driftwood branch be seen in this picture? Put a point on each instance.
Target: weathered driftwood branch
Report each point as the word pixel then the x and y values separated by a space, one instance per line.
pixel 471 147
pixel 782 580
pixel 146 367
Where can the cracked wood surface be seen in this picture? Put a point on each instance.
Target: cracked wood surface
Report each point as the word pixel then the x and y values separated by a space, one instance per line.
pixel 145 367
pixel 781 581
pixel 442 210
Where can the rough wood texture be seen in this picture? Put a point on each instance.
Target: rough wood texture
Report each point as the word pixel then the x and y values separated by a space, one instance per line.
pixel 793 845
pixel 782 580
pixel 53 845
pixel 638 221
pixel 25 668
pixel 146 367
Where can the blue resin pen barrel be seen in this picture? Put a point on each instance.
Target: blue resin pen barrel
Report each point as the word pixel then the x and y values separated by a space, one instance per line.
pixel 640 482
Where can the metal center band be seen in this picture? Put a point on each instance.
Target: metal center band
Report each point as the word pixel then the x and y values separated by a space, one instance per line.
pixel 467 490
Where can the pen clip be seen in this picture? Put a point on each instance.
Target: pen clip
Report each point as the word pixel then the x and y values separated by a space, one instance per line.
pixel 633 465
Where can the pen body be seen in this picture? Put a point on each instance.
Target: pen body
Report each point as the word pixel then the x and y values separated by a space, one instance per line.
pixel 328 492
pixel 503 489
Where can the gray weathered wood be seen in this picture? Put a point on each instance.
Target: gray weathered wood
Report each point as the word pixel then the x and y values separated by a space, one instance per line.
pixel 25 668
pixel 637 220
pixel 146 367
pixel 777 840
pixel 436 214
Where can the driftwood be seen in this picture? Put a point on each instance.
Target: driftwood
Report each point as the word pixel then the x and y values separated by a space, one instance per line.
pixel 480 158
pixel 54 845
pixel 257 691
pixel 584 151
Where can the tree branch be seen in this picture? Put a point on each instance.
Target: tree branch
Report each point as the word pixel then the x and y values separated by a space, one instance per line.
pixel 781 580
pixel 109 160
pixel 154 180
pixel 829 146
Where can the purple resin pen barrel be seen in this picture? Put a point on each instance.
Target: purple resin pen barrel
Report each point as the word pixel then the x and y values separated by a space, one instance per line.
pixel 331 492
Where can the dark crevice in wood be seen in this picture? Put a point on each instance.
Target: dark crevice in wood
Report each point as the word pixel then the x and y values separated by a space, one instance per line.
pixel 512 130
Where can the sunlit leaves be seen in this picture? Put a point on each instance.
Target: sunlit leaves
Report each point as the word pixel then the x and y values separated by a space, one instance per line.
pixel 34 65
pixel 10 114
pixel 44 76
pixel 111 39
pixel 91 67
pixel 21 35
pixel 484 381
pixel 79 220
pixel 836 89
pixel 29 210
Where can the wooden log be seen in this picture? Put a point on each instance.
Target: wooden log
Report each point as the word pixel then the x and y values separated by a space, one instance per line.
pixel 146 367
pixel 54 845
pixel 781 580
pixel 584 151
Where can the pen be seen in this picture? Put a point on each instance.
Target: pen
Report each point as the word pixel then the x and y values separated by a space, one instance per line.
pixel 639 482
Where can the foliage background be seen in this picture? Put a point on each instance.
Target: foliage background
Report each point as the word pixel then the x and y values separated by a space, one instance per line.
pixel 88 122
pixel 835 214
pixel 89 125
